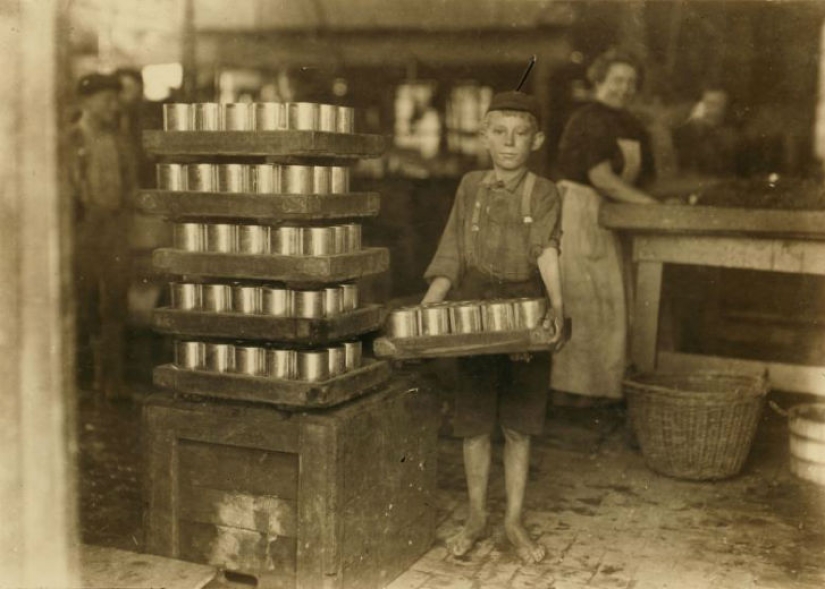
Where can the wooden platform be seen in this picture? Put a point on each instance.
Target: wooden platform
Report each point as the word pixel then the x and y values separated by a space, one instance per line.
pixel 339 499
pixel 288 269
pixel 263 208
pixel 265 327
pixel 107 568
pixel 265 143
pixel 286 394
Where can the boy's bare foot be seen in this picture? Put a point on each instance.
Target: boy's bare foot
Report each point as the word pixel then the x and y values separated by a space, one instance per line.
pixel 473 530
pixel 528 551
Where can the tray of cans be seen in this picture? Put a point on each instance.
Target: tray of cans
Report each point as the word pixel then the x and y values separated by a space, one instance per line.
pixel 262 129
pixel 267 312
pixel 260 191
pixel 294 254
pixel 466 328
pixel 286 377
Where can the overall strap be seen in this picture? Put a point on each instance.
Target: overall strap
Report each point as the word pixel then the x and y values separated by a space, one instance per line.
pixel 526 193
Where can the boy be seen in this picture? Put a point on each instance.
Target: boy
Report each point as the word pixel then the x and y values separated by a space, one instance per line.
pixel 501 241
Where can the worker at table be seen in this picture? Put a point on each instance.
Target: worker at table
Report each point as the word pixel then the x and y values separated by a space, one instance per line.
pixel 604 156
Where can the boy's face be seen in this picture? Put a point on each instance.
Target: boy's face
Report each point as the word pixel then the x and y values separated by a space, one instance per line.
pixel 510 137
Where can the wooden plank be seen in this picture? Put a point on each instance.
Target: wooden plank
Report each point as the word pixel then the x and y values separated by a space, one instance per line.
pixel 265 514
pixel 265 143
pixel 264 208
pixel 466 344
pixel 264 327
pixel 783 377
pixel 238 470
pixel 289 269
pixel 239 550
pixel 160 489
pixel 705 220
pixel 774 255
pixel 287 394
pixel 228 424
pixel 644 337
pixel 104 568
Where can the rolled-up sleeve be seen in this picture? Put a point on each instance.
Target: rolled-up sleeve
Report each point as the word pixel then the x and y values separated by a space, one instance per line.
pixel 448 260
pixel 546 228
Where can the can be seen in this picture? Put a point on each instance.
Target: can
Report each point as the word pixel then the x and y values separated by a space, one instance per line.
pixel 267 116
pixel 185 296
pixel 189 237
pixel 466 318
pixel 340 235
pixel 404 322
pixel 246 300
pixel 276 302
pixel 253 239
pixel 221 237
pixel 216 298
pixel 333 301
pixel 499 316
pixel 308 304
pixel 320 179
pixel 327 118
pixel 313 365
pixel 288 241
pixel 236 116
pixel 337 361
pixel 207 116
pixel 319 241
pixel 345 121
pixel 296 179
pixel 220 357
pixel 434 319
pixel 349 296
pixel 264 178
pixel 353 237
pixel 189 355
pixel 250 360
pixel 353 352
pixel 177 117
pixel 529 312
pixel 200 177
pixel 171 176
pixel 233 178
pixel 281 364
pixel 339 179
pixel 302 116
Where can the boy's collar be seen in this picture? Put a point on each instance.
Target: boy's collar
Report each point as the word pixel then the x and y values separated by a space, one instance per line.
pixel 491 180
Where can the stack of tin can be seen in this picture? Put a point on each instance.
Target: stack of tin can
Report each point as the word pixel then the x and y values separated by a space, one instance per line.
pixel 467 317
pixel 306 365
pixel 258 116
pixel 264 178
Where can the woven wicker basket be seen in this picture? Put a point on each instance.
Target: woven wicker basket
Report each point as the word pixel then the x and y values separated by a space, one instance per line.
pixel 695 426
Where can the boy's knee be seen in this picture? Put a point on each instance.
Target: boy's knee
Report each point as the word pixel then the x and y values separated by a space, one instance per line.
pixel 514 437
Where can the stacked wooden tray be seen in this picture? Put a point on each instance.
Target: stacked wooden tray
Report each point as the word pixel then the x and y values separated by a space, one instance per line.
pixel 294 271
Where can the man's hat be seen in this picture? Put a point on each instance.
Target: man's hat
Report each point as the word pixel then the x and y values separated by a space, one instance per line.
pixel 515 100
pixel 94 83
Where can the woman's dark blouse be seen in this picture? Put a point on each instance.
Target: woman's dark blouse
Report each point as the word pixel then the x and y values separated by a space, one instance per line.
pixel 590 138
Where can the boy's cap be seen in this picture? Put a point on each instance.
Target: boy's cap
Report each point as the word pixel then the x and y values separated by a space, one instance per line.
pixel 518 101
pixel 94 83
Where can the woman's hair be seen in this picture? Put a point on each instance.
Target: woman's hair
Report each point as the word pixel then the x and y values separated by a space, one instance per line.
pixel 597 72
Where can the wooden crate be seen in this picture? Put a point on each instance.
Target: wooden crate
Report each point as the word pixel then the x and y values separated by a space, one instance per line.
pixel 262 208
pixel 337 499
pixel 292 394
pixel 264 327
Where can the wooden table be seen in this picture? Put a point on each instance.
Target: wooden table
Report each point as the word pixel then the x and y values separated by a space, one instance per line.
pixel 753 239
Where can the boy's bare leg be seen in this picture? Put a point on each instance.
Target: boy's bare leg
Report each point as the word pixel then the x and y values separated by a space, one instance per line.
pixel 477 455
pixel 516 467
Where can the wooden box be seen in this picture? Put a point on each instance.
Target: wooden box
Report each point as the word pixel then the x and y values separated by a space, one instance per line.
pixel 340 498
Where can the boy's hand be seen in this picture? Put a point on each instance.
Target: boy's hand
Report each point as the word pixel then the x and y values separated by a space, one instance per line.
pixel 554 319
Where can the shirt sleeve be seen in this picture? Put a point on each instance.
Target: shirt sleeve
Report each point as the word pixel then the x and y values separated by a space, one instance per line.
pixel 586 142
pixel 448 260
pixel 545 231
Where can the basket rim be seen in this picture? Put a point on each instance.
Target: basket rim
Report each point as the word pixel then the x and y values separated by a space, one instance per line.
pixel 755 385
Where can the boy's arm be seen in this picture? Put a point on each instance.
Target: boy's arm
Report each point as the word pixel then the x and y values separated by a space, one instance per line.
pixel 548 263
pixel 439 288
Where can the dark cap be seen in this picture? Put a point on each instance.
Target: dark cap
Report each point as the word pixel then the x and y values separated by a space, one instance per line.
pixel 94 83
pixel 518 101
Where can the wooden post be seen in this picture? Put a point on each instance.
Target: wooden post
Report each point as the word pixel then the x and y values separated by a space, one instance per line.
pixel 38 541
pixel 646 316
